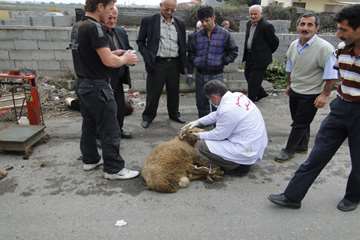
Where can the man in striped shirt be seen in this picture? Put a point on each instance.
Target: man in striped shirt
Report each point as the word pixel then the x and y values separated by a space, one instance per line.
pixel 341 123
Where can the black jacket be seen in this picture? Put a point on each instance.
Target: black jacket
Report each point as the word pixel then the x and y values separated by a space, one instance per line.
pixel 123 41
pixel 264 43
pixel 149 38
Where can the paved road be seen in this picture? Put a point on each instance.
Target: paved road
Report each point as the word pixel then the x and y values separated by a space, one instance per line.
pixel 50 197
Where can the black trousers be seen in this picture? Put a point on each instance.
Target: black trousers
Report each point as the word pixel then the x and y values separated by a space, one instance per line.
pixel 120 103
pixel 98 109
pixel 341 123
pixel 254 77
pixel 165 72
pixel 302 111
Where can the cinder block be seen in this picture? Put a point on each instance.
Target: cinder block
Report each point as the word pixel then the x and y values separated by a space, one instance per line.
pixel 63 21
pixel 53 45
pixel 66 65
pixel 4 55
pixel 26 64
pixel 57 35
pixel 33 34
pixel 48 65
pixel 7 65
pixel 42 21
pixel 26 44
pixel 21 55
pixel 7 44
pixel 43 55
pixel 9 34
pixel 63 55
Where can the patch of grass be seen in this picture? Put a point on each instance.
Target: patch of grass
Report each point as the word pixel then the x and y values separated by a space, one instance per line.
pixel 277 75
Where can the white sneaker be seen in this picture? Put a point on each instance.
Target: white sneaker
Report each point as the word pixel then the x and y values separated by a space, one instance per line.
pixel 89 167
pixel 68 101
pixel 122 174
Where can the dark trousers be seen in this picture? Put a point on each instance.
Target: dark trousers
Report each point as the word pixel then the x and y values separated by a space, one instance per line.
pixel 98 109
pixel 341 123
pixel 302 111
pixel 165 72
pixel 202 102
pixel 254 76
pixel 219 161
pixel 120 103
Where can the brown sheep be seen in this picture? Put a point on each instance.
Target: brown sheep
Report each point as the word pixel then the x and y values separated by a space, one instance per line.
pixel 173 164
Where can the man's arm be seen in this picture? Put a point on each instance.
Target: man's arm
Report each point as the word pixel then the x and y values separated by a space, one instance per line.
pixel 230 51
pixel 142 39
pixel 270 37
pixel 330 76
pixel 114 61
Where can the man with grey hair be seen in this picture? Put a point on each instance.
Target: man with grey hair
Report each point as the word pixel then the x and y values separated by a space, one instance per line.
pixel 311 77
pixel 162 43
pixel 260 43
pixel 239 139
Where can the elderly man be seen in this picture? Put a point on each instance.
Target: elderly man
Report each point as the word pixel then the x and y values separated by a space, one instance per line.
pixel 226 25
pixel 92 60
pixel 239 139
pixel 119 43
pixel 162 43
pixel 209 50
pixel 311 77
pixel 260 43
pixel 342 122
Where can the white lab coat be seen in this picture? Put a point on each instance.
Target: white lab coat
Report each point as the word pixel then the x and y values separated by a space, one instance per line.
pixel 240 134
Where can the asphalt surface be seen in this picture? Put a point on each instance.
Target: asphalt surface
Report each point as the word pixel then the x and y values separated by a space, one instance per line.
pixel 50 197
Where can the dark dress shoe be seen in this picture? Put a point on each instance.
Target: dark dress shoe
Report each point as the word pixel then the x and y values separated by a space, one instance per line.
pixel 261 96
pixel 145 124
pixel 126 134
pixel 346 205
pixel 283 156
pixel 178 119
pixel 281 200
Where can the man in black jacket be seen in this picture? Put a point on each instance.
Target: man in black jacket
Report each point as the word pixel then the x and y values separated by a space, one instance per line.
pixel 119 43
pixel 162 43
pixel 260 43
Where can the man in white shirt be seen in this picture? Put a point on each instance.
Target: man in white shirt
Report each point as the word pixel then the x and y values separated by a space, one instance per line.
pixel 239 139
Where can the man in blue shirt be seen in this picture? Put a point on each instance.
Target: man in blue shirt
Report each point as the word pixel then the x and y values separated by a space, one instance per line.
pixel 209 51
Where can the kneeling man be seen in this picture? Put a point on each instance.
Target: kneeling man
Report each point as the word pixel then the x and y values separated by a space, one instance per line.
pixel 239 139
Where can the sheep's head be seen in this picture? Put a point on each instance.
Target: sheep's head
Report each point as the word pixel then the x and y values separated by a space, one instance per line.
pixel 189 136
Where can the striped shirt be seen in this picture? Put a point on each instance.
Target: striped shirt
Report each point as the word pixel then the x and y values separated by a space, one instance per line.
pixel 348 65
pixel 168 45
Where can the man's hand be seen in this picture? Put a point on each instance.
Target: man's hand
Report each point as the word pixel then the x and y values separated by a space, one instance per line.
pixel 321 100
pixel 130 57
pixel 190 125
pixel 189 80
pixel 118 52
pixel 287 90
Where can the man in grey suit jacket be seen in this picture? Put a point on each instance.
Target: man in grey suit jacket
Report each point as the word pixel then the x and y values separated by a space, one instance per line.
pixel 162 43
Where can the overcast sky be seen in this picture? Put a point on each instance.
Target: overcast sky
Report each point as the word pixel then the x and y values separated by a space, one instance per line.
pixel 127 2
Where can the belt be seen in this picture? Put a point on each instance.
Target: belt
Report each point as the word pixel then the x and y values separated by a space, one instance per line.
pixel 166 59
pixel 209 72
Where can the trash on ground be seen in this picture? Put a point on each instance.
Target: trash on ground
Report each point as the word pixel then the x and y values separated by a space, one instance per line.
pixel 120 223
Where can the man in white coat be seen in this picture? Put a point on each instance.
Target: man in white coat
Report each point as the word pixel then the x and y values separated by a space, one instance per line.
pixel 239 139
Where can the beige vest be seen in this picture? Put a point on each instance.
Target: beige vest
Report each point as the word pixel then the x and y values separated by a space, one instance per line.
pixel 308 68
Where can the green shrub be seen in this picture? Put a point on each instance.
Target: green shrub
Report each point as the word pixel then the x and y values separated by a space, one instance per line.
pixel 277 75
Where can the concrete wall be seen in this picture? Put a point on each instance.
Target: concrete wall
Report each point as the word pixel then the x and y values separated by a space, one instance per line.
pixel 44 49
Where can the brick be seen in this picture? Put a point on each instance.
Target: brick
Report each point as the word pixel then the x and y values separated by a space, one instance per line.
pixel 49 65
pixel 7 65
pixel 4 54
pixel 66 65
pixel 63 21
pixel 26 44
pixel 33 34
pixel 7 45
pixel 43 55
pixel 57 35
pixel 42 21
pixel 53 45
pixel 63 55
pixel 8 34
pixel 26 64
pixel 21 55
